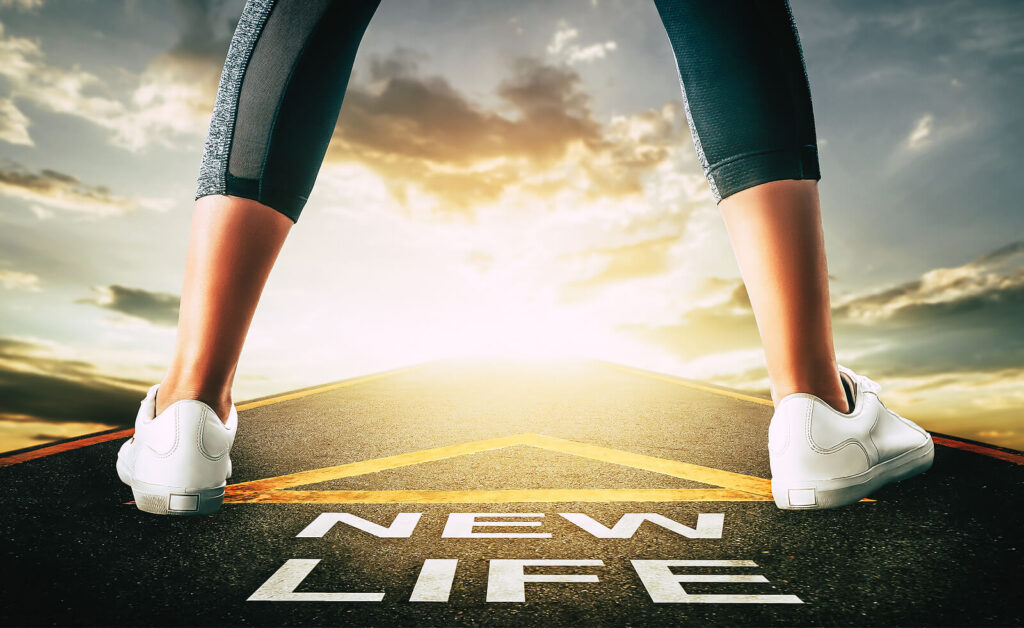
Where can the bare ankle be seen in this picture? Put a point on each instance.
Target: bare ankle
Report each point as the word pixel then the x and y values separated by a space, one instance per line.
pixel 832 394
pixel 838 404
pixel 218 400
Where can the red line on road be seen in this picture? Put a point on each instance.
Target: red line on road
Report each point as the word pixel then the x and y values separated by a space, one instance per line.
pixel 991 451
pixel 49 450
pixel 101 437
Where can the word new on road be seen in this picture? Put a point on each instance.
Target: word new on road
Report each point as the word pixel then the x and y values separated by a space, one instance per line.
pixel 507 577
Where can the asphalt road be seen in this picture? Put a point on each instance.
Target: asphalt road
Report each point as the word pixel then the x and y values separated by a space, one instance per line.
pixel 588 439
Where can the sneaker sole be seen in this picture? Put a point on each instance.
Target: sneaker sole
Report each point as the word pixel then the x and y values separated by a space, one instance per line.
pixel 820 494
pixel 167 500
pixel 170 500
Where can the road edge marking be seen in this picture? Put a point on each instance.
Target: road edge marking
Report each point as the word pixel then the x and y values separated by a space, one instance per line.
pixel 102 437
pixel 325 388
pixel 49 450
pixel 992 451
pixel 682 382
pixel 984 449
pixel 95 438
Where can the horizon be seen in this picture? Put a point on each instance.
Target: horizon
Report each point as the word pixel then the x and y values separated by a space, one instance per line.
pixel 597 236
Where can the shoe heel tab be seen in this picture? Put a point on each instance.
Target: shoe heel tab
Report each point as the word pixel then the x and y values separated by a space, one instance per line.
pixel 232 423
pixel 147 407
pixel 788 421
pixel 197 410
pixel 208 414
pixel 795 402
pixel 190 409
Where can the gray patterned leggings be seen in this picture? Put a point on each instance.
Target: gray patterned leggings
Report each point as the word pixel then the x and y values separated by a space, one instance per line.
pixel 741 70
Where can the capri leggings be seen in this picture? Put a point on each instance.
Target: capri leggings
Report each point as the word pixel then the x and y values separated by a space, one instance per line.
pixel 741 70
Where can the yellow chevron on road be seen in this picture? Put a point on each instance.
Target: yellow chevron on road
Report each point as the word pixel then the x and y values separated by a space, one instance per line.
pixel 726 486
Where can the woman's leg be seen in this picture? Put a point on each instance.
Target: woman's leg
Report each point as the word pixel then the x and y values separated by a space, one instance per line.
pixel 748 105
pixel 224 277
pixel 775 229
pixel 280 93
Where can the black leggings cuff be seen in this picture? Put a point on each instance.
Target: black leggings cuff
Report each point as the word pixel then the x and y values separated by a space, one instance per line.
pixel 284 202
pixel 740 173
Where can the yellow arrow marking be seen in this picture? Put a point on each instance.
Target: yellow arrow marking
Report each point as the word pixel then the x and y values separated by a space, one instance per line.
pixel 500 496
pixel 728 486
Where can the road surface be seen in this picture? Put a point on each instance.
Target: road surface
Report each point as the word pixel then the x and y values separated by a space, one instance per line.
pixel 477 493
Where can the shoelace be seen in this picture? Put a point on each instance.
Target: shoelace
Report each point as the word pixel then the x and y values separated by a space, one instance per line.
pixel 869 384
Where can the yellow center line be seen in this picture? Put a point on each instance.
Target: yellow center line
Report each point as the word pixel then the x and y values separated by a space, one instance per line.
pixel 680 382
pixel 498 496
pixel 322 389
pixel 372 466
pixel 674 468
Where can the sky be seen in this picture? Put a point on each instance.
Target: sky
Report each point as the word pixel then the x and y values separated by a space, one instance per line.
pixel 510 178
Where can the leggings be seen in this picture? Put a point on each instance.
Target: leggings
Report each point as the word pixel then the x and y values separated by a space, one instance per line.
pixel 741 70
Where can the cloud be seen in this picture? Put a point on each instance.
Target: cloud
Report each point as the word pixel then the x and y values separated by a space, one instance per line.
pixel 1000 256
pixel 37 383
pixel 429 120
pixel 992 278
pixel 402 62
pixel 59 190
pixel 13 124
pixel 421 131
pixel 18 431
pixel 980 404
pixel 636 145
pixel 14 280
pixel 72 92
pixel 171 99
pixel 21 5
pixel 562 36
pixel 205 31
pixel 948 321
pixel 928 133
pixel 946 346
pixel 919 136
pixel 157 308
pixel 937 74
pixel 990 434
pixel 421 135
pixel 591 52
pixel 561 46
pixel 725 292
pixel 723 322
pixel 175 94
pixel 646 258
pixel 642 259
pixel 49 394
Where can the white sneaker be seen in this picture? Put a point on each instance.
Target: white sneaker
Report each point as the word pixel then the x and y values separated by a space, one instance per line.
pixel 177 463
pixel 822 458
